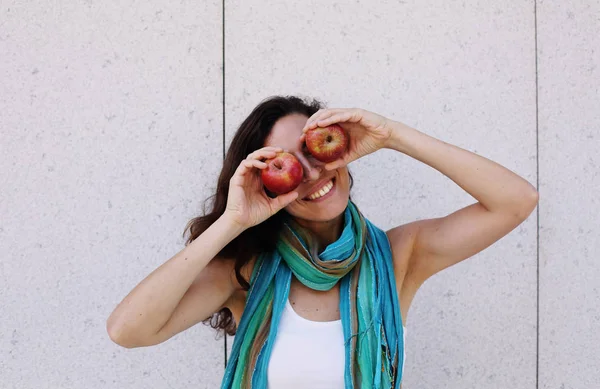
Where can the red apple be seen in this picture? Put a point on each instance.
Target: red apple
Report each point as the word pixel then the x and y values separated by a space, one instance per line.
pixel 283 173
pixel 327 143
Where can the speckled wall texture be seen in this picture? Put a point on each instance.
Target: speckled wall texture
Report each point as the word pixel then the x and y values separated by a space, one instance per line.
pixel 112 134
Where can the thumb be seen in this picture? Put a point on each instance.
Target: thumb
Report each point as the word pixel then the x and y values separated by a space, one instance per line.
pixel 337 164
pixel 282 201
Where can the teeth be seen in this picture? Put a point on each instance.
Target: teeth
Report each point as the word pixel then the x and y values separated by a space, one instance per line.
pixel 321 192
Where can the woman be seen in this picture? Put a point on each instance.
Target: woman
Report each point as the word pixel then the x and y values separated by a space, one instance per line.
pixel 316 295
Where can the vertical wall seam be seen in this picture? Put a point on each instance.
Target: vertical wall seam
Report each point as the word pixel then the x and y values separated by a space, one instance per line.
pixel 537 148
pixel 223 139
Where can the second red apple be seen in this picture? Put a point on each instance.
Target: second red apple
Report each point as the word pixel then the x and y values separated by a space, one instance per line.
pixel 283 173
pixel 327 143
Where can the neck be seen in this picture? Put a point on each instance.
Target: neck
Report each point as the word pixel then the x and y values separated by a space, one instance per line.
pixel 326 232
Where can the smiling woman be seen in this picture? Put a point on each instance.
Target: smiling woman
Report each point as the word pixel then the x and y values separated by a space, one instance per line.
pixel 301 277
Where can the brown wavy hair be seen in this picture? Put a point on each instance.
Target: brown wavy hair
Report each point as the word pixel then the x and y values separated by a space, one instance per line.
pixel 250 136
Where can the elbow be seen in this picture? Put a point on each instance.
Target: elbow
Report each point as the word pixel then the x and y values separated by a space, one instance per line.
pixel 534 198
pixel 114 333
pixel 528 203
pixel 117 334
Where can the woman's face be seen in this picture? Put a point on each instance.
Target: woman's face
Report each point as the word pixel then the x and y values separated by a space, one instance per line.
pixel 286 134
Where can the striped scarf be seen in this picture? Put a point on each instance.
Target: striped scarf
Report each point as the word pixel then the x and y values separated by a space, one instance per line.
pixel 361 258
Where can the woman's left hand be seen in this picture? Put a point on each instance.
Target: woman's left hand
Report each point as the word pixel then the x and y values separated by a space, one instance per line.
pixel 367 131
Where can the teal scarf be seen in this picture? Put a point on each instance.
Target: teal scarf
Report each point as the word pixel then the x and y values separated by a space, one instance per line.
pixel 361 258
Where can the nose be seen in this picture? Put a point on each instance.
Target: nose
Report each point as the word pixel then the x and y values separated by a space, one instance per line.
pixel 312 173
pixel 312 169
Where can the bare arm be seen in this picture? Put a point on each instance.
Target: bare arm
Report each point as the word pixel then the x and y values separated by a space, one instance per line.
pixel 505 201
pixel 190 287
pixel 180 293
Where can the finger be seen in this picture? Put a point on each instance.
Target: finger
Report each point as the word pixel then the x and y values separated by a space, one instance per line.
pixel 332 165
pixel 314 121
pixel 282 201
pixel 247 165
pixel 317 116
pixel 346 116
pixel 264 153
pixel 337 164
pixel 250 163
pixel 239 174
pixel 256 156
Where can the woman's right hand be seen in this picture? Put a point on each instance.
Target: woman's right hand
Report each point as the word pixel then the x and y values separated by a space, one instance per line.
pixel 247 202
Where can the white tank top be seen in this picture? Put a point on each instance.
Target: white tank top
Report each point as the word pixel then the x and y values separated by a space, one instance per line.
pixel 308 354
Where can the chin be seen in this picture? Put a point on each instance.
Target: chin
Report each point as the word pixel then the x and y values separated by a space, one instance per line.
pixel 323 215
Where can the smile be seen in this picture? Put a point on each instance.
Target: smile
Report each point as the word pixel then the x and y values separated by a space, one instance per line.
pixel 321 192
